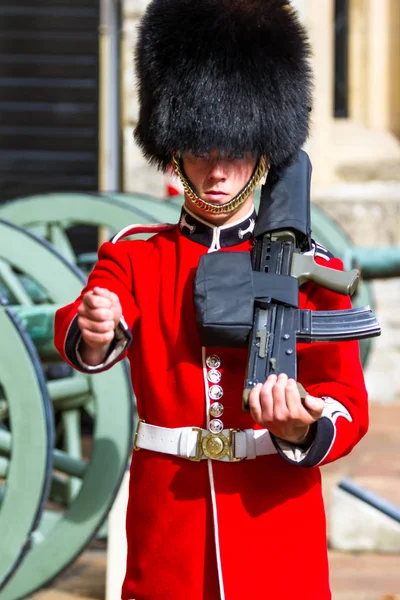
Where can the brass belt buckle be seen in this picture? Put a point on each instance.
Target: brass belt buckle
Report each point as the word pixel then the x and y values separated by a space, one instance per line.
pixel 215 446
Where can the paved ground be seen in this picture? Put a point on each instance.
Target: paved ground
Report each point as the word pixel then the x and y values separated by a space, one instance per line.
pixel 363 577
pixel 374 463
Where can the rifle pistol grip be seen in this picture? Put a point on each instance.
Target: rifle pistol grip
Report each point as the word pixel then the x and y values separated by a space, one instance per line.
pixel 305 268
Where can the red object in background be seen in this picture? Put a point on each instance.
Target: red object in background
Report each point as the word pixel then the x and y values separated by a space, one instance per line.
pixel 173 185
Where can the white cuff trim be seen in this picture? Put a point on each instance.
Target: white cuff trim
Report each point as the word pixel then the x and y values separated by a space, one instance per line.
pixel 332 410
pixel 291 451
pixel 121 342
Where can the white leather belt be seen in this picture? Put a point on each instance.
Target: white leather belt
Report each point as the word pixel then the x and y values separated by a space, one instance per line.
pixel 231 445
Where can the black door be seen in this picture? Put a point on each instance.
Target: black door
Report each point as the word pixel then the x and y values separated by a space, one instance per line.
pixel 341 58
pixel 49 62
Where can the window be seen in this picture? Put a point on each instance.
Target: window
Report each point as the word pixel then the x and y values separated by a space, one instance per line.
pixel 341 100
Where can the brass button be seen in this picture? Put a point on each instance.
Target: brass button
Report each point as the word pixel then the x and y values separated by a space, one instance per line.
pixel 216 409
pixel 214 376
pixel 216 392
pixel 213 361
pixel 216 426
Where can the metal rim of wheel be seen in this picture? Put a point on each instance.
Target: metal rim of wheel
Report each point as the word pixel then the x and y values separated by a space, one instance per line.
pixel 61 536
pixel 29 441
pixel 49 215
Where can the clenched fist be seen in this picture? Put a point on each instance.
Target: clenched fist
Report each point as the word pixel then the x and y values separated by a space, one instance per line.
pixel 277 406
pixel 98 317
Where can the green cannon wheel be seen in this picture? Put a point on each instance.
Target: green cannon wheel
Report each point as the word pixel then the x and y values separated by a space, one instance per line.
pixel 50 215
pixel 83 484
pixel 26 443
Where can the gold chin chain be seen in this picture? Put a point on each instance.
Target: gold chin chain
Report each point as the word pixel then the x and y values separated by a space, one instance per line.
pixel 230 206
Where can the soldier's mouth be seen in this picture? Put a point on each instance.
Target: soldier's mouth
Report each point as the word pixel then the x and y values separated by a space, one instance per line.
pixel 215 196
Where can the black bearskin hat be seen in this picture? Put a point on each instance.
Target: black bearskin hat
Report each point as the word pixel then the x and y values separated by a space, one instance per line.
pixel 227 75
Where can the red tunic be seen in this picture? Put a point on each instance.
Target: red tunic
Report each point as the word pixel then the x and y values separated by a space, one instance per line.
pixel 213 530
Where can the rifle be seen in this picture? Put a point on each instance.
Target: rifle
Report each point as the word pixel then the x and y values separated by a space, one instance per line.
pixel 254 301
pixel 283 248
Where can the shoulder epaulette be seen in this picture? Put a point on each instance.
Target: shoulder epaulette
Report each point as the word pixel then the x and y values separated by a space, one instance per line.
pixel 321 251
pixel 136 229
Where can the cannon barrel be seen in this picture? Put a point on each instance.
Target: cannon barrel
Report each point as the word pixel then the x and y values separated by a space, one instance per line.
pixel 38 321
pixel 374 263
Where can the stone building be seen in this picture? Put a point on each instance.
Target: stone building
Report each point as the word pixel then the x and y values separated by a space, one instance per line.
pixel 356 116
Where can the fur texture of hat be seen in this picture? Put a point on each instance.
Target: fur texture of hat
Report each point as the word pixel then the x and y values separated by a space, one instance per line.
pixel 226 75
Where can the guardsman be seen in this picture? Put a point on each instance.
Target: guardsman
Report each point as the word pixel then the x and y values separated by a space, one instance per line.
pixel 223 504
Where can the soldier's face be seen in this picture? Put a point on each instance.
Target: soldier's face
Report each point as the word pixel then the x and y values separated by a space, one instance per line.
pixel 217 180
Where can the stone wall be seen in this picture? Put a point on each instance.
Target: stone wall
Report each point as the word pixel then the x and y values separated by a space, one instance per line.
pixel 369 212
pixel 138 176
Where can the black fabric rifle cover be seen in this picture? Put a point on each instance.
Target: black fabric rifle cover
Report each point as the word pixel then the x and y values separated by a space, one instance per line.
pixel 225 290
pixel 285 203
